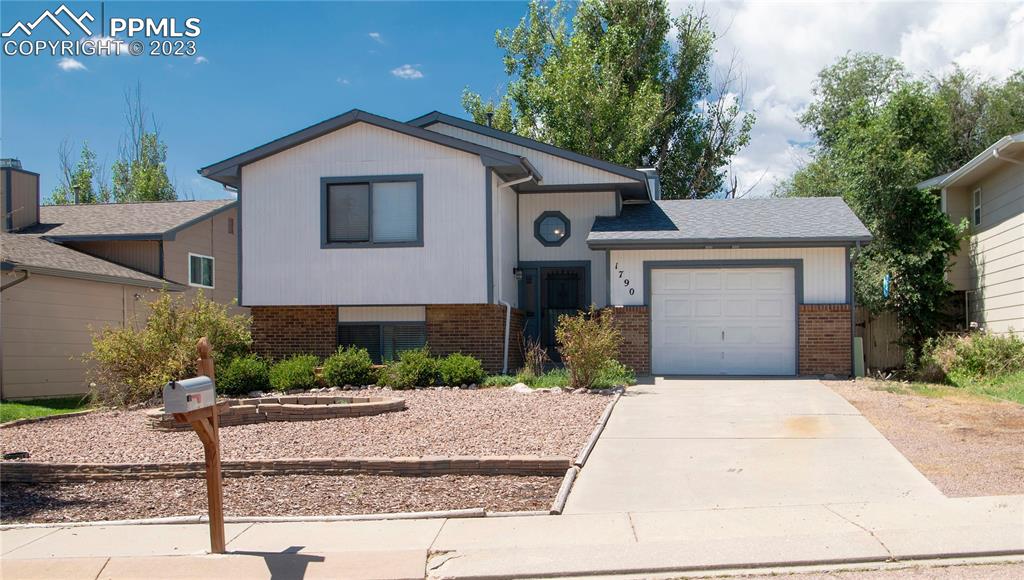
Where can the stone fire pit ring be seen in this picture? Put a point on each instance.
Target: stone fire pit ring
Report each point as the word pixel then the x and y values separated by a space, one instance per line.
pixel 287 408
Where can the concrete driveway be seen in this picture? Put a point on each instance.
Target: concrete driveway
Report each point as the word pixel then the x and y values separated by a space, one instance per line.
pixel 683 444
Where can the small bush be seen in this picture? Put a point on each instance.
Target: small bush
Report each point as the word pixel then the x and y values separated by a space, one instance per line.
pixel 535 357
pixel 587 341
pixel 349 366
pixel 550 379
pixel 500 381
pixel 974 356
pixel 414 368
pixel 459 369
pixel 243 374
pixel 131 364
pixel 297 372
pixel 613 374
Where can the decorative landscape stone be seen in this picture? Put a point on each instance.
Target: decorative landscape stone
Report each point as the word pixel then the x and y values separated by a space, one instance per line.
pixel 287 408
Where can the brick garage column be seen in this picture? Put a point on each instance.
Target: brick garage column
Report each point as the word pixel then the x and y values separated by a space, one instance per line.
pixel 281 331
pixel 477 330
pixel 634 324
pixel 825 342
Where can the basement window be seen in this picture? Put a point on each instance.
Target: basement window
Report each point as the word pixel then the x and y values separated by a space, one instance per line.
pixel 383 340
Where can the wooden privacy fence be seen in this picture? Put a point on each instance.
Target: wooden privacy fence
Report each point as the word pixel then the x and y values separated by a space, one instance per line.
pixel 881 334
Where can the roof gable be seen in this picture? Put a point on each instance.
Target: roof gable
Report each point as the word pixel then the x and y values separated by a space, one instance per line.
pixel 228 170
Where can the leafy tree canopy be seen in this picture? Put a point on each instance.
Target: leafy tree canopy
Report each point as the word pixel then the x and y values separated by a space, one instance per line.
pixel 610 86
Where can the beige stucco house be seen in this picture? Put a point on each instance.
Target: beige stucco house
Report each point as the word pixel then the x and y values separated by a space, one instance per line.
pixel 988 191
pixel 68 271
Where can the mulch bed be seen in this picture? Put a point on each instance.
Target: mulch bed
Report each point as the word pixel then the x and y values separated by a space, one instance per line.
pixel 967 446
pixel 436 422
pixel 274 496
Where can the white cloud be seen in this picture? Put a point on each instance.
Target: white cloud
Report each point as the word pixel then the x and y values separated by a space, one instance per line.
pixel 343 81
pixel 201 60
pixel 69 64
pixel 377 37
pixel 407 72
pixel 782 46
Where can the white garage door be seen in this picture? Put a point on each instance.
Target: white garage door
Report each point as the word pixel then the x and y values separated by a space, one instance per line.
pixel 739 321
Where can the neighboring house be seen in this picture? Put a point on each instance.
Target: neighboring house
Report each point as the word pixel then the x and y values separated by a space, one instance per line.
pixel 72 270
pixel 368 231
pixel 988 191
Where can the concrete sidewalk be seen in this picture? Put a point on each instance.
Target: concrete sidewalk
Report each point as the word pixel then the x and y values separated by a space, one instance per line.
pixel 684 444
pixel 568 545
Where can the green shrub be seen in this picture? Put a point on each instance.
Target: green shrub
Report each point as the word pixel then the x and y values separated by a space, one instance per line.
pixel 500 381
pixel 297 372
pixel 243 374
pixel 613 374
pixel 587 341
pixel 459 369
pixel 552 378
pixel 348 366
pixel 958 358
pixel 131 364
pixel 414 368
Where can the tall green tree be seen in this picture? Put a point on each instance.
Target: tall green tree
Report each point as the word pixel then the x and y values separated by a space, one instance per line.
pixel 140 172
pixel 610 86
pixel 81 181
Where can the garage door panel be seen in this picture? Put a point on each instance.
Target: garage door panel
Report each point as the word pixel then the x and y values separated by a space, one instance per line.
pixel 723 321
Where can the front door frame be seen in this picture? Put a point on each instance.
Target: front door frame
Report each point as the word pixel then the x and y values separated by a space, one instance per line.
pixel 538 266
pixel 797 264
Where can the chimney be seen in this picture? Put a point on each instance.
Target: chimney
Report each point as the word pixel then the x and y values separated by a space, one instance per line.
pixel 490 118
pixel 19 196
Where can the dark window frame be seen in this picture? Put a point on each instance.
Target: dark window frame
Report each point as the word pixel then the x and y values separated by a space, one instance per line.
pixel 370 180
pixel 380 332
pixel 555 214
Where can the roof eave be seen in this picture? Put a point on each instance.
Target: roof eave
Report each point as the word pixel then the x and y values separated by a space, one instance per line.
pixel 63 273
pixel 655 244
pixel 966 169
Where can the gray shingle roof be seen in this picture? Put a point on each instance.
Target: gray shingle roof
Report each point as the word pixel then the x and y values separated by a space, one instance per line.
pixel 765 221
pixel 154 220
pixel 33 253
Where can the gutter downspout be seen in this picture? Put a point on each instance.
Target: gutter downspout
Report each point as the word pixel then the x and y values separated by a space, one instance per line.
pixel 500 286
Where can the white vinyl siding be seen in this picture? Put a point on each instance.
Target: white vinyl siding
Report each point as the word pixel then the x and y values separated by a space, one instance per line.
pixel 824 270
pixel 506 251
pixel 282 259
pixel 555 169
pixel 375 313
pixel 580 209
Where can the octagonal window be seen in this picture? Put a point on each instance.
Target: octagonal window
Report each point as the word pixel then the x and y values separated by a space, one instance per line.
pixel 551 228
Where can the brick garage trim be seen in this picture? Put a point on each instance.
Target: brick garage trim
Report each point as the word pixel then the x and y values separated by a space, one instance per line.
pixel 633 322
pixel 826 342
pixel 27 472
pixel 477 330
pixel 281 331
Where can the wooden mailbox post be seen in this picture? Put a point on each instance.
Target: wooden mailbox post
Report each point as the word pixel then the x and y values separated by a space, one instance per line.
pixel 205 423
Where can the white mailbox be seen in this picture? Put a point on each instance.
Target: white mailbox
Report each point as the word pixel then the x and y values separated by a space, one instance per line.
pixel 188 395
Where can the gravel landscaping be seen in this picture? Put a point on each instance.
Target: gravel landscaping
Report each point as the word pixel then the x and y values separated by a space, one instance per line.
pixel 965 445
pixel 274 496
pixel 436 422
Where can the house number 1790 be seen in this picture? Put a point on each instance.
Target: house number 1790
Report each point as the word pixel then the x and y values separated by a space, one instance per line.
pixel 625 281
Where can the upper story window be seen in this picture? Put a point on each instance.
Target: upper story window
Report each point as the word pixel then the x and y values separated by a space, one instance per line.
pixel 976 204
pixel 372 211
pixel 200 271
pixel 551 228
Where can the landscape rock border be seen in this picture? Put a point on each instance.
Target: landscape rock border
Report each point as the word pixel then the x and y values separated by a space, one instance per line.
pixel 29 420
pixel 32 472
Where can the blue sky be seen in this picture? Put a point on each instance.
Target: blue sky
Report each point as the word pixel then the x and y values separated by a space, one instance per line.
pixel 270 68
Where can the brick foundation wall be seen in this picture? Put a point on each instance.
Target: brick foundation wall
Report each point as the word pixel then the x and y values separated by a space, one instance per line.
pixel 477 330
pixel 825 343
pixel 634 324
pixel 281 331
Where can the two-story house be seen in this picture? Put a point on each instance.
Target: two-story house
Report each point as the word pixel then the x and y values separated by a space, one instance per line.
pixel 69 271
pixel 369 231
pixel 988 191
